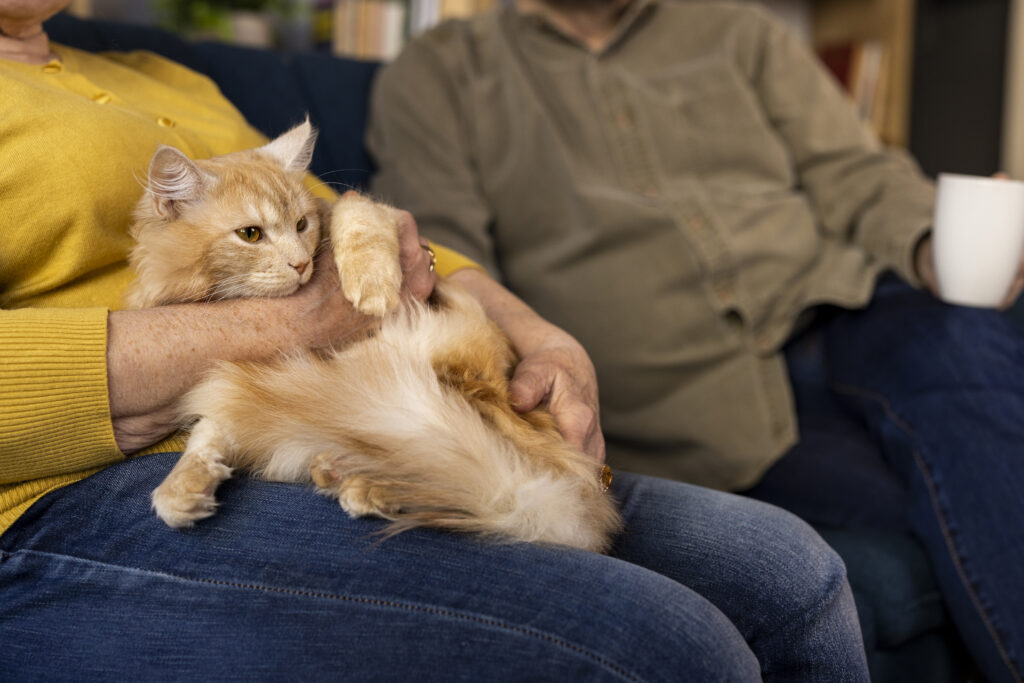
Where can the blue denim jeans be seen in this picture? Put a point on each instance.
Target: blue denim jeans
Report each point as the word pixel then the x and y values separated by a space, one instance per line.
pixel 939 390
pixel 281 584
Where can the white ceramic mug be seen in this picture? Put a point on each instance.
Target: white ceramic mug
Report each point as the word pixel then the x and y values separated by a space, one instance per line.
pixel 978 238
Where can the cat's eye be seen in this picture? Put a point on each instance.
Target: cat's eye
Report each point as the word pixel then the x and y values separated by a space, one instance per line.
pixel 250 233
pixel 301 225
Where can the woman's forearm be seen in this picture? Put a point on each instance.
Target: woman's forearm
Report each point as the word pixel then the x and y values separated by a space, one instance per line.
pixel 154 355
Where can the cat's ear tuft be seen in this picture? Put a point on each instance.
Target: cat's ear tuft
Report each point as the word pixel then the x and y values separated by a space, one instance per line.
pixel 174 179
pixel 294 149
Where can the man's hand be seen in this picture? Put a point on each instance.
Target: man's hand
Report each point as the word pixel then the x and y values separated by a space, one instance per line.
pixel 554 368
pixel 559 372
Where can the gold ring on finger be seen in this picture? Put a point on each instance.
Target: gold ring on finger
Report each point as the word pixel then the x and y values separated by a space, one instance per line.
pixel 433 257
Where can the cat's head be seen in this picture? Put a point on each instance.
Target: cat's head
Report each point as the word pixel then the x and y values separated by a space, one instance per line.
pixel 237 225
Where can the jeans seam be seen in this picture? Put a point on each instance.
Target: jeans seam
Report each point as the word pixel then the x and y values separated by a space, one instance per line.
pixel 362 600
pixel 925 471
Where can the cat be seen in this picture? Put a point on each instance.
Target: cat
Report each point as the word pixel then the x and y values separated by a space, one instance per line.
pixel 412 424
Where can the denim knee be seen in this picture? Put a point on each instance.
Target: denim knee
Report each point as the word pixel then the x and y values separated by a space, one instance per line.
pixel 760 565
pixel 662 631
pixel 796 567
pixel 916 344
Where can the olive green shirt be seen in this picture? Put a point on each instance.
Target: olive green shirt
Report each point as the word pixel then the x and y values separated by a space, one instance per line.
pixel 675 201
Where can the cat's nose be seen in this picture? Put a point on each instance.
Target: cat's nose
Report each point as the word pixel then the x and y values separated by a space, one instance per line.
pixel 300 267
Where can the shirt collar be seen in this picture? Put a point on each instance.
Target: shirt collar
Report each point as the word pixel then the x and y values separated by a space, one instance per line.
pixel 636 10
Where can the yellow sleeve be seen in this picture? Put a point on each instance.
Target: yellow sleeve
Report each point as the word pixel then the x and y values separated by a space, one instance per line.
pixel 54 410
pixel 449 261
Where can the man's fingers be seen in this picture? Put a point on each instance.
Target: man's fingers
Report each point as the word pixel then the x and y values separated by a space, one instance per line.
pixel 527 389
pixel 1015 289
pixel 579 424
pixel 577 421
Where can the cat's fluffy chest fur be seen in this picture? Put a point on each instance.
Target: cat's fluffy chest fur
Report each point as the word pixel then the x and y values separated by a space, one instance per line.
pixel 412 424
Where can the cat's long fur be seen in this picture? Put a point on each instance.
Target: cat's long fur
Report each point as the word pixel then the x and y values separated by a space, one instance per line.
pixel 412 424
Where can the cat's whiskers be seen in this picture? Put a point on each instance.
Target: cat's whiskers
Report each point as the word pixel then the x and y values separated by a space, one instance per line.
pixel 231 287
pixel 143 181
pixel 338 186
pixel 267 284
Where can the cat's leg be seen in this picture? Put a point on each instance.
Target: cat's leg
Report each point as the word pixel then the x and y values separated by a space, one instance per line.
pixel 358 494
pixel 366 251
pixel 187 494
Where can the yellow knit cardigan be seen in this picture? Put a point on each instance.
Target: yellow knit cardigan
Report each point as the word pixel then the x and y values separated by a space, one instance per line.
pixel 76 137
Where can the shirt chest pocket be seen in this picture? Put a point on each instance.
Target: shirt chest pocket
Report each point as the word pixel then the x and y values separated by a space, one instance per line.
pixel 716 119
pixel 710 95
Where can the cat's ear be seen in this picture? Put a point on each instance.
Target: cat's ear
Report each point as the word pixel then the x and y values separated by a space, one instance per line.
pixel 174 179
pixel 294 149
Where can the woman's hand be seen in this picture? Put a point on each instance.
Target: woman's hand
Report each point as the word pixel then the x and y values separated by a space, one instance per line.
pixel 419 277
pixel 554 368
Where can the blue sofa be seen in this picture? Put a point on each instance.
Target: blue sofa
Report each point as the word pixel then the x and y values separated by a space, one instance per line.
pixel 906 628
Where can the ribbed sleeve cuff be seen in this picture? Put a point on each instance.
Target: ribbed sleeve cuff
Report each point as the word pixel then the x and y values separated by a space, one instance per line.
pixel 449 261
pixel 54 409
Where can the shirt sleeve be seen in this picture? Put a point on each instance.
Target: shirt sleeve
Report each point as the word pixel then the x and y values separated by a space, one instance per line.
pixel 418 137
pixel 54 410
pixel 861 191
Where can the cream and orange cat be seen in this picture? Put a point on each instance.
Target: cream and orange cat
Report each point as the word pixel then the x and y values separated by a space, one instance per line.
pixel 412 424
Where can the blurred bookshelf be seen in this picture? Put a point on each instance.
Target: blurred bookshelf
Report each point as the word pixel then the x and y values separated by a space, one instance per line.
pixel 378 29
pixel 869 46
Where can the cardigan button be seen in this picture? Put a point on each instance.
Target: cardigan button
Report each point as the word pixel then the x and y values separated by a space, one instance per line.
pixel 101 97
pixel 165 122
pixel 53 67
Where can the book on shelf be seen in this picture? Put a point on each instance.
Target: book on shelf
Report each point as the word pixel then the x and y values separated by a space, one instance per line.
pixel 861 67
pixel 379 29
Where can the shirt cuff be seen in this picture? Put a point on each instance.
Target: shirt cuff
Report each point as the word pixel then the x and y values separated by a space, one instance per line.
pixel 54 405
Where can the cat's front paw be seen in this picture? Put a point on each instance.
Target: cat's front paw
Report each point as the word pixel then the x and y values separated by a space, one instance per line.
pixel 373 292
pixel 187 494
pixel 366 252
pixel 182 511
